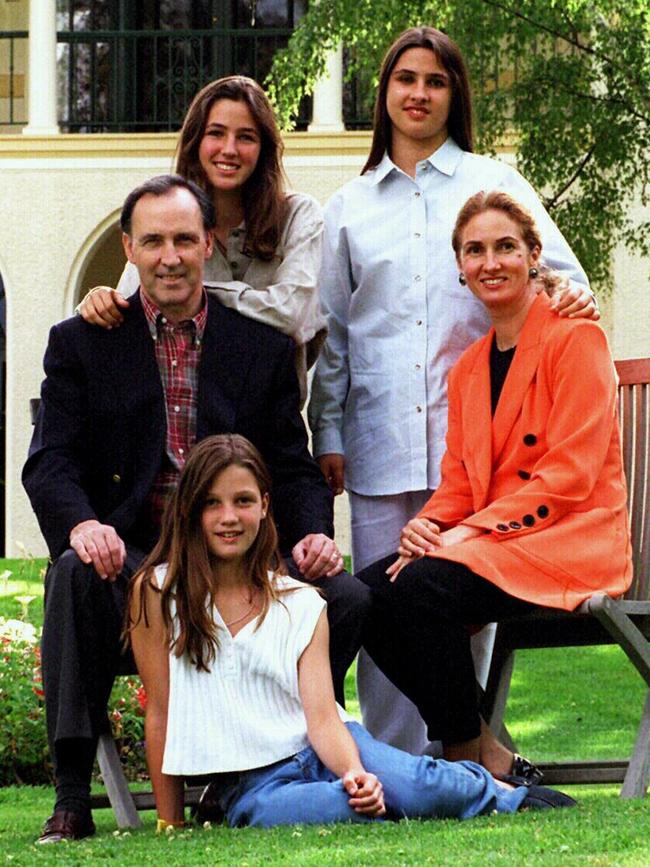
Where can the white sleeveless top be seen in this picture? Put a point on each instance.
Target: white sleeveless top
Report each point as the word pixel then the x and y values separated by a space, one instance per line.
pixel 246 711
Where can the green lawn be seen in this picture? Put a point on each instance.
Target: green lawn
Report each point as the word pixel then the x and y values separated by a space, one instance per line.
pixel 603 831
pixel 565 704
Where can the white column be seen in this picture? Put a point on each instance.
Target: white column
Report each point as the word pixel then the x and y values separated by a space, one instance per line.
pixel 42 68
pixel 327 113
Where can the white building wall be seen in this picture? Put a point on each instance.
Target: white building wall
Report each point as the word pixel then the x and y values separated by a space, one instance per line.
pixel 630 330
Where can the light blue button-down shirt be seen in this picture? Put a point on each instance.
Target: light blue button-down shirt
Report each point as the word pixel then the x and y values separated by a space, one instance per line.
pixel 398 317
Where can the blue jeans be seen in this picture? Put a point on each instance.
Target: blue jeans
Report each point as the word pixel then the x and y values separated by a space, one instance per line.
pixel 302 790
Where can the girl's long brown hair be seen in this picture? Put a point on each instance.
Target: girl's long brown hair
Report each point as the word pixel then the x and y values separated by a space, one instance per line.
pixel 460 113
pixel 264 196
pixel 189 581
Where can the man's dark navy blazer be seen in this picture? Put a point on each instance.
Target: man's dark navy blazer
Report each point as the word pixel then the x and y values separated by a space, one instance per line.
pixel 100 433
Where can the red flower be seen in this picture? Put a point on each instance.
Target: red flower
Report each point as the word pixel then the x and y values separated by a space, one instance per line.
pixel 141 696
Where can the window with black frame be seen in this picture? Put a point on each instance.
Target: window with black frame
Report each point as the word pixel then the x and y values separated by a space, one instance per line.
pixel 136 66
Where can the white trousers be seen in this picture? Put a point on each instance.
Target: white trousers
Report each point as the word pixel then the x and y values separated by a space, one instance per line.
pixel 387 714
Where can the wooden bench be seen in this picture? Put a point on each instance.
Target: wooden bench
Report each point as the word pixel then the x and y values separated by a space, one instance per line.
pixel 124 802
pixel 600 619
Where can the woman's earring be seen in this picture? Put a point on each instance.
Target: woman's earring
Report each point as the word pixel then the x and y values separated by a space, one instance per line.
pixel 461 279
pixel 532 273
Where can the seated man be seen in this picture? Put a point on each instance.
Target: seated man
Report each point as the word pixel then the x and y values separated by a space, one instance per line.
pixel 119 411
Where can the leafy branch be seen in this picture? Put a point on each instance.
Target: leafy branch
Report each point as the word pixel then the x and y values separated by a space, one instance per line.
pixel 570 79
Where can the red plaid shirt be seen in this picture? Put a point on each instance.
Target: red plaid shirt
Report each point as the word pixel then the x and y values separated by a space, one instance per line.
pixel 178 352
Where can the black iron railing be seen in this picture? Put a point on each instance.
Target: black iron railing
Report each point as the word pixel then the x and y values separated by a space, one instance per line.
pixel 144 80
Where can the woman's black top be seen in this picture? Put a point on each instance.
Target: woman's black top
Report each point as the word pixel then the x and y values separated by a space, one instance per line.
pixel 500 361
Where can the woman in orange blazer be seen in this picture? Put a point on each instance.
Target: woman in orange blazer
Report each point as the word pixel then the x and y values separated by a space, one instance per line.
pixel 531 509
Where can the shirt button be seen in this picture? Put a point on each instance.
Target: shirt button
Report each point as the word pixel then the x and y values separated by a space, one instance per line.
pixel 530 440
pixel 528 520
pixel 418 367
pixel 523 474
pixel 417 195
pixel 117 478
pixel 181 451
pixel 163 320
pixel 174 362
pixel 233 264
pixel 177 408
pixel 417 235
pixel 417 278
pixel 515 525
pixel 502 528
pixel 542 512
pixel 419 408
pixel 418 322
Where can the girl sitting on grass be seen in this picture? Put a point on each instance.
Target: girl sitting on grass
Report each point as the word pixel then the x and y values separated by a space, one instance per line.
pixel 233 655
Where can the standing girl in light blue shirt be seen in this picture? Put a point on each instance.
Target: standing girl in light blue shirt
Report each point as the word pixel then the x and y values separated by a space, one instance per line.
pixel 398 318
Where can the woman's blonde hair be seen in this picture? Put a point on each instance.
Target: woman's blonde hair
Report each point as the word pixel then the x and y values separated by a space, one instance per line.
pixel 496 200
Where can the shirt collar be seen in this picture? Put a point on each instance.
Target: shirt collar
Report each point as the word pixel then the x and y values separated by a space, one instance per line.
pixel 445 159
pixel 156 320
pixel 382 169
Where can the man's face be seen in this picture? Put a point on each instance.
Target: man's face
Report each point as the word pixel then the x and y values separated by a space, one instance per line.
pixel 168 245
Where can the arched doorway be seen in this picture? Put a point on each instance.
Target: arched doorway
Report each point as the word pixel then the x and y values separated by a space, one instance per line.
pixel 104 262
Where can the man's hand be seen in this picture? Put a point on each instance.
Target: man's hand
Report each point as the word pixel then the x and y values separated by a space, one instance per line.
pixel 317 556
pixel 100 545
pixel 366 793
pixel 102 306
pixel 332 466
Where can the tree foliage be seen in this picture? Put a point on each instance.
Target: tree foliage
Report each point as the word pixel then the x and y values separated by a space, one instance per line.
pixel 568 80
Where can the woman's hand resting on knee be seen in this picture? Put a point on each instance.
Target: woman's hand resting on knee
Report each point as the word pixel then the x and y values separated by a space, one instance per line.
pixel 419 537
pixel 422 536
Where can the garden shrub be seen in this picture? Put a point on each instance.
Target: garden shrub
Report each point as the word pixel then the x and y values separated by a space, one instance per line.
pixel 24 752
pixel 24 755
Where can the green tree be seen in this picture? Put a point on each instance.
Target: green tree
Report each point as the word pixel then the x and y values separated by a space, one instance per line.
pixel 568 80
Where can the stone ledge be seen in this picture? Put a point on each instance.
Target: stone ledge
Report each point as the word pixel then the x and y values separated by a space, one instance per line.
pixel 116 145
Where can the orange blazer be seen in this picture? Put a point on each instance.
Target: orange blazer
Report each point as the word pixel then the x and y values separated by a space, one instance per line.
pixel 543 479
